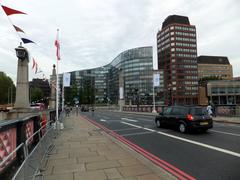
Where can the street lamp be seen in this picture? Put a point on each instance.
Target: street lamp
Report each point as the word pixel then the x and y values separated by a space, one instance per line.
pixel 21 52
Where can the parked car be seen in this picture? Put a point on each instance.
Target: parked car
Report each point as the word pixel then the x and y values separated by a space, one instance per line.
pixel 185 118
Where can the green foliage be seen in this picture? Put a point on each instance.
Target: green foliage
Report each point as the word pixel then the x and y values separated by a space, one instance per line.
pixel 36 95
pixel 7 88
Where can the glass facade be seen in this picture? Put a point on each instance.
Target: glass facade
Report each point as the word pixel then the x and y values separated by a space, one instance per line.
pixel 101 85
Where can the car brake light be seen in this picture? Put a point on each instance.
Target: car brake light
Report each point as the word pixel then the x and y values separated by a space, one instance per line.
pixel 190 117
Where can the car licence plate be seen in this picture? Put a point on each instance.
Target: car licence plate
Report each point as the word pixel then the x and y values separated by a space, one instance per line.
pixel 203 123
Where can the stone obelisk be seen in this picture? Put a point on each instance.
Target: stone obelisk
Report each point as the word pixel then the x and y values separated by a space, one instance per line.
pixel 22 89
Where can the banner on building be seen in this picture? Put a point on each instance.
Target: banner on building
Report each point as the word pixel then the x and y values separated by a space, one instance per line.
pixel 121 93
pixel 156 80
pixel 66 79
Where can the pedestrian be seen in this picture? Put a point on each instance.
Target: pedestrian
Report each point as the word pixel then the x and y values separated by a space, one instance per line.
pixel 209 110
pixel 92 111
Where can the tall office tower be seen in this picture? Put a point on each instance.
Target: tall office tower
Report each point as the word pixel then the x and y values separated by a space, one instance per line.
pixel 177 57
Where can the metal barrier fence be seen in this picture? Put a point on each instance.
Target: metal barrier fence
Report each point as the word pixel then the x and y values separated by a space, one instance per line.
pixel 21 138
pixel 32 165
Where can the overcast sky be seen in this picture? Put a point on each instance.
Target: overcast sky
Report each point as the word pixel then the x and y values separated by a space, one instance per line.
pixel 94 32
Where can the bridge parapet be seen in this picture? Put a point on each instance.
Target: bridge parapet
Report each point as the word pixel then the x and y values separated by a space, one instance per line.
pixel 18 139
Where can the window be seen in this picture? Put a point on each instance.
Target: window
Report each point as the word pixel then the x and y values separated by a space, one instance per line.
pixel 179 111
pixel 167 110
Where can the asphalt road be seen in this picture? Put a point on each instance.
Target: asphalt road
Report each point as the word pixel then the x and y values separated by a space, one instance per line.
pixel 212 155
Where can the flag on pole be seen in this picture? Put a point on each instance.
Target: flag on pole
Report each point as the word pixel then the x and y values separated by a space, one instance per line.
pixel 10 11
pixel 25 41
pixel 57 44
pixel 34 63
pixel 156 80
pixel 36 69
pixel 66 79
pixel 18 29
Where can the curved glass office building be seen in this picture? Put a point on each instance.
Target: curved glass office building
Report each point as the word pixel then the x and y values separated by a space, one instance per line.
pixel 101 85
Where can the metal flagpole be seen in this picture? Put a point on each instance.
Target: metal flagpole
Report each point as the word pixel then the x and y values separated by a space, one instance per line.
pixel 57 119
pixel 63 93
pixel 154 104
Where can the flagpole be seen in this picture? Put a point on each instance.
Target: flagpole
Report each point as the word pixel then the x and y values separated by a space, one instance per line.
pixel 57 86
pixel 63 93
pixel 154 104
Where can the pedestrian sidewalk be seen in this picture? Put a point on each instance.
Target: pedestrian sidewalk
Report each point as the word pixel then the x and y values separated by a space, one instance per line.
pixel 222 119
pixel 85 152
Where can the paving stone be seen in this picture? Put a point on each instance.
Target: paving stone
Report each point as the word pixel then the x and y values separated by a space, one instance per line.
pixel 114 156
pixel 89 159
pixel 112 173
pixel 102 165
pixel 128 162
pixel 148 177
pixel 62 161
pixel 64 168
pixel 82 154
pixel 59 156
pixel 80 150
pixel 135 170
pixel 67 176
pixel 91 175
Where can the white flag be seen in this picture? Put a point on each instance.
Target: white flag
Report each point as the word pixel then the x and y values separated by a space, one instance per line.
pixel 66 80
pixel 156 80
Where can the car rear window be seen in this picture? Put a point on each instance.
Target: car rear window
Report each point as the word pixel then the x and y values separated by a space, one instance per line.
pixel 198 111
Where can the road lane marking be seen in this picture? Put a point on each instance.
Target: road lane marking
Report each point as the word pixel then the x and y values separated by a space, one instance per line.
pixel 103 120
pixel 149 129
pixel 222 132
pixel 131 120
pixel 192 142
pixel 132 125
pixel 124 129
pixel 133 134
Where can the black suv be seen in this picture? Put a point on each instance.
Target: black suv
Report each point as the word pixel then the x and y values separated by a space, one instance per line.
pixel 185 118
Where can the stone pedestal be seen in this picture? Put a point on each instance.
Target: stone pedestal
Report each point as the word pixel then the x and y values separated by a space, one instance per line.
pixel 22 89
pixel 21 107
pixel 52 101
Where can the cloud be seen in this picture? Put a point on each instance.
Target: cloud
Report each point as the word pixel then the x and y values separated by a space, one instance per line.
pixel 93 33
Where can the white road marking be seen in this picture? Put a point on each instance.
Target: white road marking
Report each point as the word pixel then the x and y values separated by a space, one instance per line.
pixel 149 129
pixel 103 120
pixel 132 125
pixel 124 129
pixel 191 141
pixel 139 133
pixel 222 132
pixel 131 120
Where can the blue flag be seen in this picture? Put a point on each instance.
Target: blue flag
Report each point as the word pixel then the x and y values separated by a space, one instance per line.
pixel 25 41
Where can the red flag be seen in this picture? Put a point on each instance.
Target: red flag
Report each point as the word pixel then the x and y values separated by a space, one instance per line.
pixel 18 29
pixel 57 44
pixel 34 63
pixel 36 70
pixel 10 11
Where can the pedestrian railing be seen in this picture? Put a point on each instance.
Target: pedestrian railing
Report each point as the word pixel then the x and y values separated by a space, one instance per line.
pixel 24 143
pixel 33 164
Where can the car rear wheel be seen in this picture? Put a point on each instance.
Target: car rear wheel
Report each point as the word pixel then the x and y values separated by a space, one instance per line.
pixel 182 128
pixel 158 123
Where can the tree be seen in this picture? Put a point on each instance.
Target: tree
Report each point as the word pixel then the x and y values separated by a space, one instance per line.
pixel 7 89
pixel 37 95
